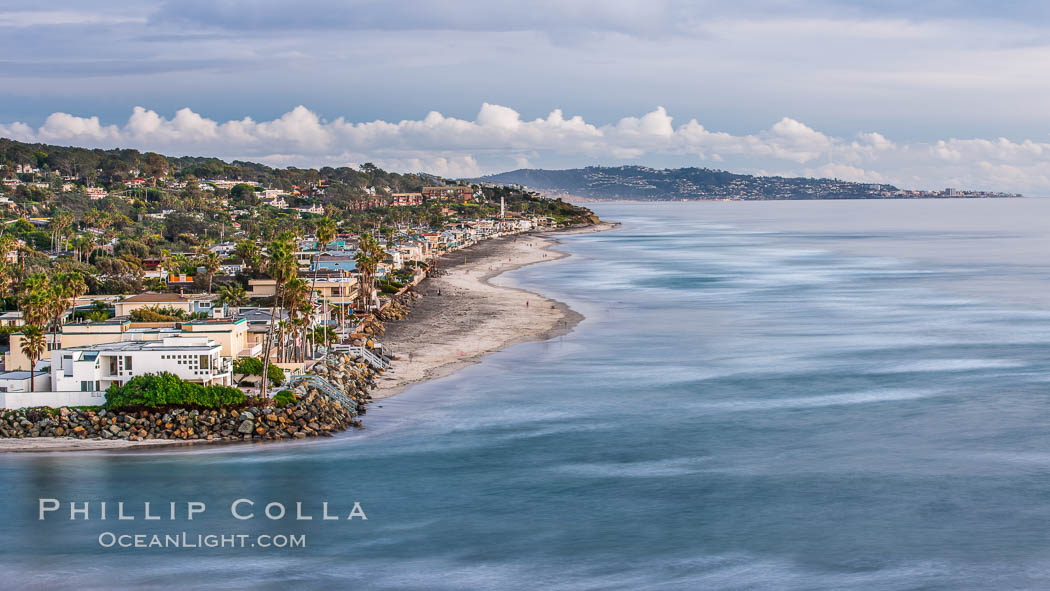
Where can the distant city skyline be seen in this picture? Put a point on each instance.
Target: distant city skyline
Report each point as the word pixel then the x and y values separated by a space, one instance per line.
pixel 946 94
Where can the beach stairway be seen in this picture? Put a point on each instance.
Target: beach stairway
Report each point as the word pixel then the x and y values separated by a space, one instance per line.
pixel 374 360
pixel 312 381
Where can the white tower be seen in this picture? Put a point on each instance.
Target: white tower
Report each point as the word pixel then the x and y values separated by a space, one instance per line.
pixel 502 208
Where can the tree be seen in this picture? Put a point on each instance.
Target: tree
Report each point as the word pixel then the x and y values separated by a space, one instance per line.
pixel 297 301
pixel 233 296
pixel 248 253
pixel 154 166
pixel 60 225
pixel 325 235
pixel 368 257
pixel 253 366
pixel 34 299
pixel 167 263
pixel 34 345
pixel 244 194
pixel 211 261
pixel 282 268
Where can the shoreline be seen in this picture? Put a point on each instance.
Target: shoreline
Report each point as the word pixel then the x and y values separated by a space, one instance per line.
pixel 48 444
pixel 431 343
pixel 452 339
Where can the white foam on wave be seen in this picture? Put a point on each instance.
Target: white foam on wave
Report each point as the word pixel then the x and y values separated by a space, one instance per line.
pixel 862 397
pixel 938 365
pixel 642 469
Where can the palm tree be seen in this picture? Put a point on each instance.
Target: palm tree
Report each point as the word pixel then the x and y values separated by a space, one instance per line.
pixel 59 296
pixel 211 261
pixel 368 257
pixel 60 223
pixel 281 268
pixel 35 300
pixel 233 296
pixel 325 235
pixel 77 286
pixel 167 263
pixel 297 302
pixel 34 345
pixel 248 252
pixel 178 262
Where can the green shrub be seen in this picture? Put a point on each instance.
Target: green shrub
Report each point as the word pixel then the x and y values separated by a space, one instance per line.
pixel 284 398
pixel 247 366
pixel 157 314
pixel 252 366
pixel 166 389
pixel 276 375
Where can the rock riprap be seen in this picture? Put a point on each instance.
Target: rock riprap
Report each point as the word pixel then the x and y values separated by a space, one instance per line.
pixel 314 413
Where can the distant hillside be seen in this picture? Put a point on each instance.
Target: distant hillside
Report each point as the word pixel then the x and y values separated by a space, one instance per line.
pixel 640 182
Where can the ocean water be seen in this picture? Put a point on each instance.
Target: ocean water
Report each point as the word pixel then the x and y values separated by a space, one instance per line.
pixel 807 395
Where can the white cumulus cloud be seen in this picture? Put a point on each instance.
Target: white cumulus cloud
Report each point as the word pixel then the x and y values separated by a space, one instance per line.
pixel 499 138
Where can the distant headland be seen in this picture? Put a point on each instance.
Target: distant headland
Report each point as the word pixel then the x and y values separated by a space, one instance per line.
pixel 673 184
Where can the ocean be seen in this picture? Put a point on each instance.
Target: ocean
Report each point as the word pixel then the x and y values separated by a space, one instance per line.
pixel 770 395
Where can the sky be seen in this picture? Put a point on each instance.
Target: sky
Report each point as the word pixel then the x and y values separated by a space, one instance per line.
pixel 932 94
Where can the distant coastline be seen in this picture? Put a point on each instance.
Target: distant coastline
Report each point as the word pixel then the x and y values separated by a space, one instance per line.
pixel 640 183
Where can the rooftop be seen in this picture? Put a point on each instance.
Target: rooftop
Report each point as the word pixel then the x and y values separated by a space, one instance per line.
pixel 168 344
pixel 151 297
pixel 15 375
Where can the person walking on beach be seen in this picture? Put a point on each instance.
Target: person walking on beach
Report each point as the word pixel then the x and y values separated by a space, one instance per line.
pixel 526 303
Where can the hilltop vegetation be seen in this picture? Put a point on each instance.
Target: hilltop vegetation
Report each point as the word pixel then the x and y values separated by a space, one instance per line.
pixel 100 215
pixel 177 193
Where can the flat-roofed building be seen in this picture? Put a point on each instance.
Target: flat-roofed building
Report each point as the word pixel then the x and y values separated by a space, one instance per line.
pixel 406 199
pixel 189 303
pixel 460 193
pixel 95 368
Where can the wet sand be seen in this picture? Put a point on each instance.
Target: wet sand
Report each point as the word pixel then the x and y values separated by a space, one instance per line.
pixel 473 316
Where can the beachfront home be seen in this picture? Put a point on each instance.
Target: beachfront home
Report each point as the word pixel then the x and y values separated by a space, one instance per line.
pixel 335 289
pixel 18 381
pixel 16 360
pixel 332 262
pixel 230 333
pixel 95 368
pixel 191 304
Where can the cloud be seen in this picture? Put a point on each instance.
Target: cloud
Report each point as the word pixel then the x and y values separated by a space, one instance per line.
pixel 499 138
pixel 53 18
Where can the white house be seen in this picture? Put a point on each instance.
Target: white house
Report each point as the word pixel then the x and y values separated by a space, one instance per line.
pixel 96 367
pixel 95 192
pixel 316 208
pixel 12 319
pixel 18 381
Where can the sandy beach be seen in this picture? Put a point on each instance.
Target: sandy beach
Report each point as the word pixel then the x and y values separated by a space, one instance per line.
pixel 463 317
pixel 74 444
pixel 473 317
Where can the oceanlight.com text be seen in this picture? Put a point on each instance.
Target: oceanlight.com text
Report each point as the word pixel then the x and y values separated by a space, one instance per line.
pixel 184 540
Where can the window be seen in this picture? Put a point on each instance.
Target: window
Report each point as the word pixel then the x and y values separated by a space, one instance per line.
pixel 127 363
pixel 86 385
